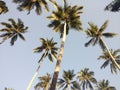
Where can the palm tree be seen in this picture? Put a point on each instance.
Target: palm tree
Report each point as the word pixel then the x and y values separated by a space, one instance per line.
pixel 30 4
pixel 114 6
pixel 96 37
pixel 63 19
pixel 13 30
pixel 108 60
pixel 86 78
pixel 3 7
pixel 49 48
pixel 44 82
pixel 104 85
pixel 68 82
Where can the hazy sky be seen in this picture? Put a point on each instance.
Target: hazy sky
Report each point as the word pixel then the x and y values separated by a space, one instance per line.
pixel 18 63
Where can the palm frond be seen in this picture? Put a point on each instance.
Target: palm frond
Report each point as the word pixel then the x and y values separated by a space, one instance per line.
pixel 105 64
pixel 50 57
pixel 89 42
pixel 109 35
pixel 113 69
pixel 21 36
pixel 13 39
pixel 104 26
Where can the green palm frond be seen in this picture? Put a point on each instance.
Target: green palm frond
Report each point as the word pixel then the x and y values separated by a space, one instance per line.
pixel 104 26
pixel 13 30
pixel 109 35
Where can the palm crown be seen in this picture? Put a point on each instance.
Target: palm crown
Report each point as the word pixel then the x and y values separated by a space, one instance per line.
pixel 30 4
pixel 44 82
pixel 114 6
pixel 104 85
pixel 108 59
pixel 96 33
pixel 49 46
pixel 67 81
pixel 3 7
pixel 86 78
pixel 68 14
pixel 13 30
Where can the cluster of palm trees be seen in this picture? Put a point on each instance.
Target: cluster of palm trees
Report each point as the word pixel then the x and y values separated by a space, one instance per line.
pixel 63 19
pixel 83 80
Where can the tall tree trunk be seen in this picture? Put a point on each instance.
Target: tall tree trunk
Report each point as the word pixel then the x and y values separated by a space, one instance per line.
pixel 69 88
pixel 36 73
pixel 57 67
pixel 113 59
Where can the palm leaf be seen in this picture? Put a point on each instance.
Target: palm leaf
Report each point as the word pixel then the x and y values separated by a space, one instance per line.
pixel 89 42
pixel 50 57
pixel 38 8
pixel 104 26
pixel 102 44
pixel 21 36
pixel 6 24
pixel 109 35
pixel 44 3
pixel 5 34
pixel 13 39
pixel 113 69
pixel 105 64
pixel 76 85
pixel 43 55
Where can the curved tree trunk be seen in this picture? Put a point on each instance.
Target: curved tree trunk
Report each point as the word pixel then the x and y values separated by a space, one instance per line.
pixel 57 67
pixel 36 73
pixel 113 59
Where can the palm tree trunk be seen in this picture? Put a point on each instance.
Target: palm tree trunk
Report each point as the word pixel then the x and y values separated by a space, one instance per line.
pixel 69 87
pixel 113 59
pixel 36 73
pixel 57 68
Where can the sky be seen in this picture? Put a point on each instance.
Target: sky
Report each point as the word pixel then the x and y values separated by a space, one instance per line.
pixel 18 63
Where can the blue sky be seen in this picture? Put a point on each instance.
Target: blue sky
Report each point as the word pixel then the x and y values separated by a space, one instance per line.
pixel 18 63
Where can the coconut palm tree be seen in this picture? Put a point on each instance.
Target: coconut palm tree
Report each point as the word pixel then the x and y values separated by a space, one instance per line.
pixel 30 4
pixel 68 81
pixel 114 6
pixel 44 82
pixel 49 48
pixel 105 55
pixel 86 79
pixel 13 30
pixel 3 7
pixel 104 85
pixel 97 35
pixel 62 20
